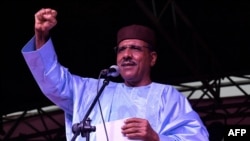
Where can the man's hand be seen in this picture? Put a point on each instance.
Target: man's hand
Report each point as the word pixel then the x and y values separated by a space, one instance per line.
pixel 137 128
pixel 45 20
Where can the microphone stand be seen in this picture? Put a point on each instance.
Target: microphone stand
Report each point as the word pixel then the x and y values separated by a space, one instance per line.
pixel 84 127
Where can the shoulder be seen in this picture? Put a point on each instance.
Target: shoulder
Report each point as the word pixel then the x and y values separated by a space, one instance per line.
pixel 168 90
pixel 166 87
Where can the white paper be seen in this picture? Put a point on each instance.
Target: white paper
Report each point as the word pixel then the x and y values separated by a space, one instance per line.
pixel 113 131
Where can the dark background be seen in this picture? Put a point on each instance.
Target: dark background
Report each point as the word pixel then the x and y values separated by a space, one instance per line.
pixel 204 39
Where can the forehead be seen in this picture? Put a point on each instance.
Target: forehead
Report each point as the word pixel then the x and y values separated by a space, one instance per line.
pixel 133 42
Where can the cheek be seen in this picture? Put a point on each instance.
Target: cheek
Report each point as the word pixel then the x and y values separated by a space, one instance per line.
pixel 118 58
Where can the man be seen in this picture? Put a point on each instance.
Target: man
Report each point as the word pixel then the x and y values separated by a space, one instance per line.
pixel 151 111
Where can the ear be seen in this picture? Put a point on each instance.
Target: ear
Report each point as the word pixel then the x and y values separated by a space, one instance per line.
pixel 153 58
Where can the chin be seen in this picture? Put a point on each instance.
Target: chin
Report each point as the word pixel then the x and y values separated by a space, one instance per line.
pixel 128 77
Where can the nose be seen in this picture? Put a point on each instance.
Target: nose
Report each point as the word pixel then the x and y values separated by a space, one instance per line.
pixel 127 53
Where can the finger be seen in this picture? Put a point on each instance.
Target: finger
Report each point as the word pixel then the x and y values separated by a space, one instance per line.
pixel 133 130
pixel 131 125
pixel 40 15
pixel 45 14
pixel 134 120
pixel 54 13
pixel 133 133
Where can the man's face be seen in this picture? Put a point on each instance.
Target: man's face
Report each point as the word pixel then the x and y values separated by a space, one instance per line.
pixel 135 60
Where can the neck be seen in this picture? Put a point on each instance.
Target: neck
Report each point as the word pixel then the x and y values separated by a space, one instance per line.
pixel 137 84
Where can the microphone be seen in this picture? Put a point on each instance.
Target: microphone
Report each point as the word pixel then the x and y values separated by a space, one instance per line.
pixel 111 71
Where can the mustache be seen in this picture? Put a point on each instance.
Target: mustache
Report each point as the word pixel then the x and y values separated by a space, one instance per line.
pixel 126 62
